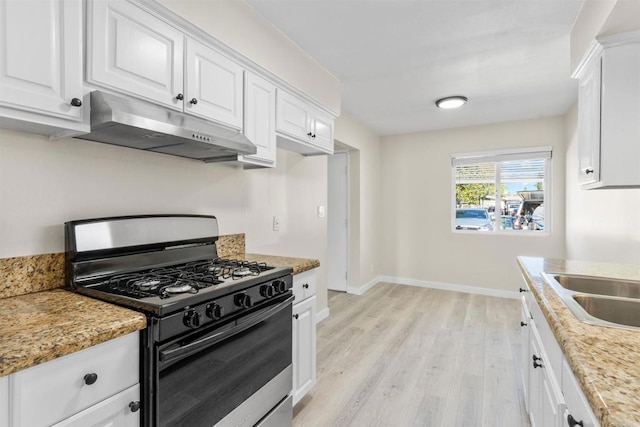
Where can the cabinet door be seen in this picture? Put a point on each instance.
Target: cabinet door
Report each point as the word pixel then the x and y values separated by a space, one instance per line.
pixel 133 52
pixel 260 119
pixel 63 386
pixel 304 348
pixel 41 56
pixel 293 116
pixel 589 124
pixel 122 410
pixel 322 133
pixel 214 85
pixel 525 320
pixel 545 398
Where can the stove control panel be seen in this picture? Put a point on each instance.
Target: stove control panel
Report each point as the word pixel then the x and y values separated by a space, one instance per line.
pixel 217 309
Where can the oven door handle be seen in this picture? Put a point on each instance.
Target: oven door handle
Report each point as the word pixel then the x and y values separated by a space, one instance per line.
pixel 242 324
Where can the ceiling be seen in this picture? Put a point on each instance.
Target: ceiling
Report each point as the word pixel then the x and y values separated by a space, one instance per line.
pixel 394 58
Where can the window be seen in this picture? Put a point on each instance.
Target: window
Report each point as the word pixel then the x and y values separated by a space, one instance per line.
pixel 502 191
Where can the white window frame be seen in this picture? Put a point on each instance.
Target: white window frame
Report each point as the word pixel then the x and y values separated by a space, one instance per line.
pixel 543 152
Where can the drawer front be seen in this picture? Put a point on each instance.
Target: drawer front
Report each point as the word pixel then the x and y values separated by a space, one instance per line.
pixel 304 285
pixel 59 389
pixel 121 410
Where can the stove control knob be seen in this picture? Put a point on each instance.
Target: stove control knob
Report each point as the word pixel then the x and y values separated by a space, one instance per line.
pixel 279 286
pixel 192 319
pixel 242 300
pixel 215 311
pixel 267 291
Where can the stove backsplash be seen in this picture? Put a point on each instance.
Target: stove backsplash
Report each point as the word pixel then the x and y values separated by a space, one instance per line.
pixel 36 273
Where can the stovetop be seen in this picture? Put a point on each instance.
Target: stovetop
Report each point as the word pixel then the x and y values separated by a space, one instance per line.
pixel 167 289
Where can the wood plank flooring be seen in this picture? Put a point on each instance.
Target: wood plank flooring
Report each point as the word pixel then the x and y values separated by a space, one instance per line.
pixel 408 356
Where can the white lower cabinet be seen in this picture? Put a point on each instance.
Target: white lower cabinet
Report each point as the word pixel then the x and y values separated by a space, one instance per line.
pixel 89 387
pixel 4 401
pixel 304 334
pixel 553 396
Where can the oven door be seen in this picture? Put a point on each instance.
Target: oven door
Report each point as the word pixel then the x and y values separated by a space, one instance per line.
pixel 229 375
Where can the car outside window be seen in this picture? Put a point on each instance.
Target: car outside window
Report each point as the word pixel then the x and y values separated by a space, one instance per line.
pixel 502 192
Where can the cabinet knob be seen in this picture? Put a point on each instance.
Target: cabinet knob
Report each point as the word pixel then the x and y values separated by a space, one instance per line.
pixel 522 324
pixel 535 362
pixel 134 406
pixel 588 171
pixel 295 316
pixel 572 421
pixel 76 102
pixel 179 97
pixel 313 136
pixel 523 290
pixel 309 134
pixel 306 286
pixel 90 378
pixel 193 101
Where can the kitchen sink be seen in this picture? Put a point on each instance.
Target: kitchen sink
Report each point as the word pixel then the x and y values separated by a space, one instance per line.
pixel 599 285
pixel 597 300
pixel 615 310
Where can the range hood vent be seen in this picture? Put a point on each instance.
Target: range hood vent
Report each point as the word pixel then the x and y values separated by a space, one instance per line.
pixel 142 125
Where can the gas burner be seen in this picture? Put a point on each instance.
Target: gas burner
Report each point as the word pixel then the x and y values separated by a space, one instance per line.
pixel 244 271
pixel 179 289
pixel 147 284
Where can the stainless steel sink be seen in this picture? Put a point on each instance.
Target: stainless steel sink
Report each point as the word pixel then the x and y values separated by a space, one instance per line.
pixel 599 301
pixel 615 310
pixel 599 285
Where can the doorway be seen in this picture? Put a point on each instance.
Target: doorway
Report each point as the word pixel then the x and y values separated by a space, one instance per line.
pixel 337 221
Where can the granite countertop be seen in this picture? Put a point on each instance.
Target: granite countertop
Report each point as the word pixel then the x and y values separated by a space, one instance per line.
pixel 299 265
pixel 41 326
pixel 605 360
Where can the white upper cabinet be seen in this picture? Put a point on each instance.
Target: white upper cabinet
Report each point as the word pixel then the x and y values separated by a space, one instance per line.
pixel 133 52
pixel 41 65
pixel 138 54
pixel 214 85
pixel 301 127
pixel 260 121
pixel 609 113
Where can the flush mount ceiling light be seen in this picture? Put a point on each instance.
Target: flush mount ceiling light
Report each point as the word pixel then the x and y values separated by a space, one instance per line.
pixel 451 102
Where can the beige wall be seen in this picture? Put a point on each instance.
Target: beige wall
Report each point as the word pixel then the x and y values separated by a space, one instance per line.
pixel 364 199
pixel 602 225
pixel 417 241
pixel 240 27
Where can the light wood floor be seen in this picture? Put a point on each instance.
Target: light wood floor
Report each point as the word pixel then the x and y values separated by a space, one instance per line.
pixel 408 356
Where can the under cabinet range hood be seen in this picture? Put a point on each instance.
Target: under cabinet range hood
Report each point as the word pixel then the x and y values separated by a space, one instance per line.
pixel 133 123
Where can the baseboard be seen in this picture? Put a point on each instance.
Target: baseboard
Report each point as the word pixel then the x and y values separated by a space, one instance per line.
pixel 449 287
pixel 364 288
pixel 321 315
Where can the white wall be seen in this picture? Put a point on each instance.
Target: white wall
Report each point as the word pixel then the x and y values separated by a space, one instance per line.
pixel 417 241
pixel 602 225
pixel 364 199
pixel 45 183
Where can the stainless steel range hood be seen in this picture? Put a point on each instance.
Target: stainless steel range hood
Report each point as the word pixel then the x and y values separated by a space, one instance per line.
pixel 138 124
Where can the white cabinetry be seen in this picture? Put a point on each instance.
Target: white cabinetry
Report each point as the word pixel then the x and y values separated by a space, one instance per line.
pixel 41 82
pixel 260 121
pixel 4 401
pixel 301 127
pixel 91 387
pixel 136 53
pixel 304 334
pixel 609 113
pixel 552 392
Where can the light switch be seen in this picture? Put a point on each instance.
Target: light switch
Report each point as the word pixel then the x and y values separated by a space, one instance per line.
pixel 320 211
pixel 276 223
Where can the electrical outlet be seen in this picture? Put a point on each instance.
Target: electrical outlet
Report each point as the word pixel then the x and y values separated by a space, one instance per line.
pixel 321 211
pixel 276 223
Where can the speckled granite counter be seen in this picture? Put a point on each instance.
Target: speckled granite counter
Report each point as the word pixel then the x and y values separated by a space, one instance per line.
pixel 299 265
pixel 42 326
pixel 606 361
